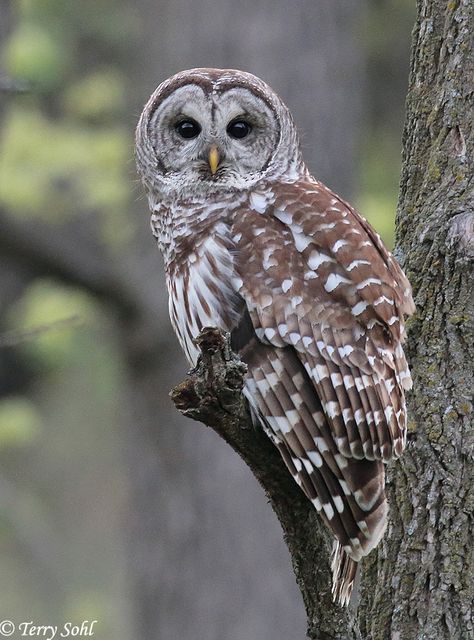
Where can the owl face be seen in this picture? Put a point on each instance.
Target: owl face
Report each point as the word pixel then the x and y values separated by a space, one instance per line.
pixel 207 130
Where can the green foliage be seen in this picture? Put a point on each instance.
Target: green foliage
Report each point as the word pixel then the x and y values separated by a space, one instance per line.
pixel 97 97
pixel 54 314
pixel 20 423
pixel 89 605
pixel 65 159
pixel 379 178
pixel 386 54
pixel 107 22
pixel 65 150
pixel 53 170
pixel 31 54
pixel 379 210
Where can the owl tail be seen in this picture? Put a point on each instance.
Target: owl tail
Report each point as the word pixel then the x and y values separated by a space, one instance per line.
pixel 344 571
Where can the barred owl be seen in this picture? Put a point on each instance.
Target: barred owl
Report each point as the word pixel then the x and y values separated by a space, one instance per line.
pixel 314 302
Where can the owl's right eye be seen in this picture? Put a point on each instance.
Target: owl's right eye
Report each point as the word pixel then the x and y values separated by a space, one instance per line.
pixel 188 129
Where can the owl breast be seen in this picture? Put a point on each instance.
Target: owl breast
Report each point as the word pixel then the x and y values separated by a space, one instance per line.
pixel 202 288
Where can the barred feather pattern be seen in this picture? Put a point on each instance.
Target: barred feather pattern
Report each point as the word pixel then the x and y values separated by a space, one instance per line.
pixel 315 305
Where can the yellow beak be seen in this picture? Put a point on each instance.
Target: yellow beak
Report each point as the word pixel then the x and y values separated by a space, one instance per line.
pixel 213 159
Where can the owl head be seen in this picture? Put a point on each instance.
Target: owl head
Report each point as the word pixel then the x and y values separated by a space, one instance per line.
pixel 206 131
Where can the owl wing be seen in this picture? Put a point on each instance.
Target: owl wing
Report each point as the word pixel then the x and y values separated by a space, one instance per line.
pixel 321 333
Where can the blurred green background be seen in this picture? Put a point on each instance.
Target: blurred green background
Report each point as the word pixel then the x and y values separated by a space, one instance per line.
pixel 111 506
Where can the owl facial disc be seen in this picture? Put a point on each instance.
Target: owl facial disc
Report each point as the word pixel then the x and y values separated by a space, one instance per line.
pixel 207 131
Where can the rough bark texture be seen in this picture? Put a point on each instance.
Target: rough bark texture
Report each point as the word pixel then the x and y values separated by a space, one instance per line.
pixel 421 585
pixel 212 395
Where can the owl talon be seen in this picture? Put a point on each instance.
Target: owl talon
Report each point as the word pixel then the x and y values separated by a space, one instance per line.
pixel 195 369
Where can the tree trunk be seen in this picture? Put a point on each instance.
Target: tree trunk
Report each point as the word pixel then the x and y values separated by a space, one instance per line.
pixel 420 585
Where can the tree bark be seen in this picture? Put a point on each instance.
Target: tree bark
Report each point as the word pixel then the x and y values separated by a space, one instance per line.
pixel 420 585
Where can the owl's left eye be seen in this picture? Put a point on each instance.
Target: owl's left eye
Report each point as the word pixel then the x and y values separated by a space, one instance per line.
pixel 239 128
pixel 188 129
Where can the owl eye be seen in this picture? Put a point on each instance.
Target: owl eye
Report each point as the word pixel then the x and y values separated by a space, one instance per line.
pixel 239 129
pixel 188 129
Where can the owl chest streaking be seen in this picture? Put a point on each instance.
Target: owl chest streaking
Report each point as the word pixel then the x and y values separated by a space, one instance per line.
pixel 201 278
pixel 314 302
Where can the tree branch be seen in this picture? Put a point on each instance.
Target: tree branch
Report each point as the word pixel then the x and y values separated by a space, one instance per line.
pixel 63 256
pixel 212 394
pixel 58 252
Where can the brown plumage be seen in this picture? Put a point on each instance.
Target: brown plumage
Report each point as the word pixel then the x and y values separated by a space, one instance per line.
pixel 313 300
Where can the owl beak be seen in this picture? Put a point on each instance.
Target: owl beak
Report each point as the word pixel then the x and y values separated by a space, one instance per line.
pixel 213 159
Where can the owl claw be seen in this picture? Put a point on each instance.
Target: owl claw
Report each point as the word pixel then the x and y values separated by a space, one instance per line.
pixel 195 369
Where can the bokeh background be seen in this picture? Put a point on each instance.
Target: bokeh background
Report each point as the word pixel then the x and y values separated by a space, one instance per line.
pixel 112 506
